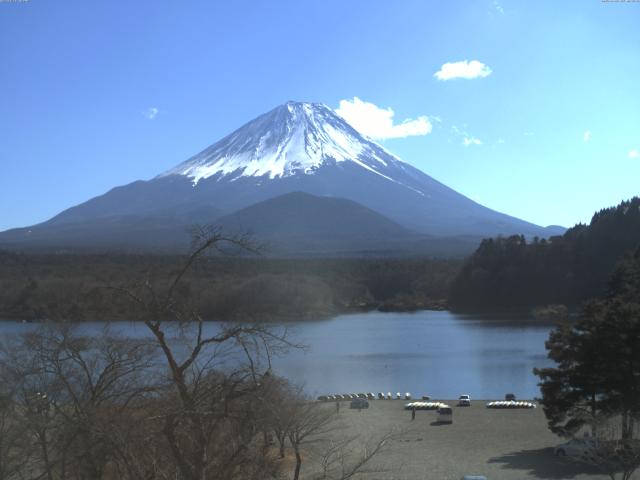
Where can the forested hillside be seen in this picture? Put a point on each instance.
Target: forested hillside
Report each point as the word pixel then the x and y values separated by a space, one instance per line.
pixel 80 287
pixel 512 272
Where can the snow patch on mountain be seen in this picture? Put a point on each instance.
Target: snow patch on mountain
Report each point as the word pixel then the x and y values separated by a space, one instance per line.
pixel 294 138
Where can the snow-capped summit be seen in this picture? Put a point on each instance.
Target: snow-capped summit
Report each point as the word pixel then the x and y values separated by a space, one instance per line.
pixel 293 138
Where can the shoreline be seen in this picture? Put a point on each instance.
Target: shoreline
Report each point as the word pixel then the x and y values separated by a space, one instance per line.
pixel 437 306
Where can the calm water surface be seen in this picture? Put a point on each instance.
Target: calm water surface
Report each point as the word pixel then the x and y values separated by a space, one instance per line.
pixel 436 353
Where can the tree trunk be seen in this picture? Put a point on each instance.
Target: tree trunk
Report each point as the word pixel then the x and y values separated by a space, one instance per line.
pixel 296 474
pixel 626 434
pixel 594 427
pixel 45 454
pixel 281 441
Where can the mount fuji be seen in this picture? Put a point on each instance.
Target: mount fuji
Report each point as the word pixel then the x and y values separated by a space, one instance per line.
pixel 296 147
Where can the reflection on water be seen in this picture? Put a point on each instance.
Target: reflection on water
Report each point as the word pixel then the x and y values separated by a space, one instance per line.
pixel 440 354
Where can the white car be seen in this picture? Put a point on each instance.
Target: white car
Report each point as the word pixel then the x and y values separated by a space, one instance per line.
pixel 464 401
pixel 576 447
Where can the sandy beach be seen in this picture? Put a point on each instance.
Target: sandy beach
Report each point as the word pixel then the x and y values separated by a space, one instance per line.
pixel 500 444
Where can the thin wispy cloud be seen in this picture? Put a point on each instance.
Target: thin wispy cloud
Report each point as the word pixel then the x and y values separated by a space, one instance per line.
pixel 634 153
pixel 586 136
pixel 378 123
pixel 150 113
pixel 497 7
pixel 471 141
pixel 463 69
pixel 467 139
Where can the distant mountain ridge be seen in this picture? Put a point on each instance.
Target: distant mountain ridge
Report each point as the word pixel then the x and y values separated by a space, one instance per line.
pixel 299 222
pixel 301 214
pixel 296 147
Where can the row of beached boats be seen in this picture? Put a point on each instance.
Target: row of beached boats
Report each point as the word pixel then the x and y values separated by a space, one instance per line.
pixel 367 396
pixel 510 404
pixel 425 405
pixel 498 404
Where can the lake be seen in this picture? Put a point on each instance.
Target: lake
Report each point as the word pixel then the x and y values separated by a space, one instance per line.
pixel 437 353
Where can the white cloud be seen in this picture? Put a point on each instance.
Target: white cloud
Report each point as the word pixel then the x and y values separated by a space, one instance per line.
pixel 151 113
pixel 464 69
pixel 471 141
pixel 586 136
pixel 634 153
pixel 497 7
pixel 377 123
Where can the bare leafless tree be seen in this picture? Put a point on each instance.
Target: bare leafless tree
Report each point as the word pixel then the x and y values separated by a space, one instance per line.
pixel 71 394
pixel 15 453
pixel 310 423
pixel 345 458
pixel 215 372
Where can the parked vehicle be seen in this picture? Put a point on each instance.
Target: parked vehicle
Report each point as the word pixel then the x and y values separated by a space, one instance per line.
pixel 445 414
pixel 426 397
pixel 371 396
pixel 381 396
pixel 510 397
pixel 464 401
pixel 576 447
pixel 407 396
pixel 337 396
pixel 398 396
pixel 359 403
pixel 389 396
pixel 323 398
pixel 474 477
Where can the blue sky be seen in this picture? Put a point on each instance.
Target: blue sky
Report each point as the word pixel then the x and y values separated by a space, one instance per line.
pixel 99 94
